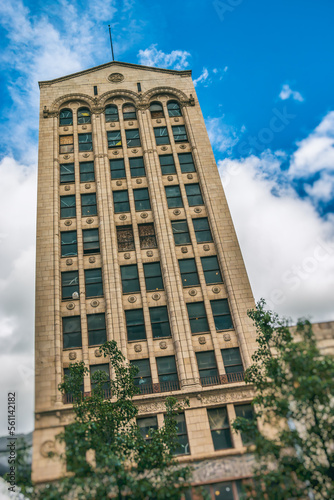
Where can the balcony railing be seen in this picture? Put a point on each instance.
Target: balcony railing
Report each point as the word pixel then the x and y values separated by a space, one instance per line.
pixel 213 380
pixel 228 378
pixel 161 387
pixel 69 399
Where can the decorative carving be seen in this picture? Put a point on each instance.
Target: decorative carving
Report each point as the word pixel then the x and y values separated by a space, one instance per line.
pixel 95 303
pixel 134 150
pixel 197 210
pixel 227 337
pixel 90 220
pixel 72 355
pixel 69 262
pixel 115 77
pixel 97 353
pixel 216 289
pixel 84 127
pixel 127 256
pixel 149 253
pixel 222 469
pixel 112 124
pixel 123 217
pixel 176 211
pixel 139 181
pixel 170 178
pixel 86 155
pixel 190 176
pixel 47 447
pixel 68 222
pixel 92 260
pixel 66 157
pixel 65 129
pixel 70 306
pixel 227 396
pixel 156 296
pixel 176 119
pixel 132 299
pixel 138 348
pixel 163 344
pixel 158 120
pixel 144 215
pixel 184 249
pixel 206 248
pixel 158 407
pixel 164 148
pixel 119 183
pixel 183 146
pixel 87 186
pixel 130 123
pixel 202 340
pixel 192 292
pixel 115 152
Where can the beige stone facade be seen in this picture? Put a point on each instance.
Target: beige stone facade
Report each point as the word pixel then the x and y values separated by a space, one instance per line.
pixel 183 202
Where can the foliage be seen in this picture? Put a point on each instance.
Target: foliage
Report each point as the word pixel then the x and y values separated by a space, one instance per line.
pixel 294 387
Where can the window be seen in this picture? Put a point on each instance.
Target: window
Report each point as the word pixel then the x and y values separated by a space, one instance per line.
pixel 167 372
pixel 142 199
pixel 211 270
pixel 69 284
pixel 67 206
pixel 146 426
pixel 93 281
pixel 233 364
pixel 65 117
pixel 221 314
pixel 245 411
pixel 71 332
pixel 188 271
pixel 167 164
pixel 68 243
pixel 194 195
pixel 66 144
pixel 87 171
pixel 147 236
pixel 125 238
pixel 88 204
pixel 105 369
pixel 197 317
pixel 161 135
pixel 85 142
pixel 91 242
pixel 129 112
pixel 137 167
pixel 153 278
pixel 220 428
pixel 135 324
pixel 181 232
pixel 156 110
pixel 67 173
pixel 114 139
pixel 143 379
pixel 202 230
pixel 132 138
pixel 174 198
pixel 83 116
pixel 174 108
pixel 207 367
pixel 117 169
pixel 227 490
pixel 186 162
pixel 121 201
pixel 130 280
pixel 160 322
pixel 182 436
pixel 96 329
pixel 68 397
pixel 179 133
pixel 111 113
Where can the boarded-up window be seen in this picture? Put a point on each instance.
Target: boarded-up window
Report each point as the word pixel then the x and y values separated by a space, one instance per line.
pixel 66 144
pixel 125 238
pixel 147 236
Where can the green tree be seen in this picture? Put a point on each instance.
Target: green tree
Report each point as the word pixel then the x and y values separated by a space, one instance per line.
pixel 294 386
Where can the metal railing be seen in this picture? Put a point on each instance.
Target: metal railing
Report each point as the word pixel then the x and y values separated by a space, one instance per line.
pixel 69 398
pixel 227 378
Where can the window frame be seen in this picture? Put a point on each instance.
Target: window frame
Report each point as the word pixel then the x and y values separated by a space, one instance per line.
pixel 165 137
pixel 144 387
pixel 96 249
pixel 62 176
pixel 142 237
pixel 89 178
pixel 130 284
pixel 121 206
pixel 182 163
pixel 148 268
pixel 119 230
pixel 86 211
pixel 139 202
pixel 73 207
pixel 88 142
pixel 184 274
pixel 224 314
pixel 180 233
pixel 174 201
pixel 111 106
pixel 162 166
pixel 81 120
pixel 178 109
pixel 137 171
pixel 114 142
pixel 165 321
pixel 96 331
pixel 232 374
pixel 141 323
pixel 164 384
pixel 69 123
pixel 199 231
pixel 182 433
pixel 157 113
pixel 192 197
pixel 212 270
pixel 132 142
pixel 181 136
pixel 66 147
pixel 206 380
pixel 75 285
pixel 98 281
pixel 195 317
pixel 148 436
pixel 67 320
pixel 117 173
pixel 63 244
pixel 133 113
pixel 218 430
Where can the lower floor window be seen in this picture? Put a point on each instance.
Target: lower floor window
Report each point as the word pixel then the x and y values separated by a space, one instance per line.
pixel 182 436
pixel 228 490
pixel 220 428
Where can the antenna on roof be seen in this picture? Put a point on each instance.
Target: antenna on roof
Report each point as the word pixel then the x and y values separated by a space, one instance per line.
pixel 112 48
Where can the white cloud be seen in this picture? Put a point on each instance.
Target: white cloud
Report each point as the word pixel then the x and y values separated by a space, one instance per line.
pixel 203 77
pixel 321 190
pixel 177 59
pixel 287 92
pixel 222 137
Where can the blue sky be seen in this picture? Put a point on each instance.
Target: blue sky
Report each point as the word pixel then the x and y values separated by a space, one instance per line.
pixel 264 78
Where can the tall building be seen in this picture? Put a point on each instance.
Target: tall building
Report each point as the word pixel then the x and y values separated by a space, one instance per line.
pixel 135 243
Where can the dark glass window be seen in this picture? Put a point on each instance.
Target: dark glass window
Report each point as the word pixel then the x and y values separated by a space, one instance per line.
pixel 147 236
pixel 114 139
pixel 160 322
pixel 88 204
pixel 146 426
pixel 186 162
pixel 181 232
pixel 174 108
pixel 142 199
pixel 91 242
pixel 125 238
pixel 111 113
pixel 174 198
pixel 194 195
pixel 71 332
pixel 167 164
pixel 67 206
pixel 221 314
pixel 135 324
pixel 182 436
pixel 121 201
pixel 65 117
pixel 87 171
pixel 137 167
pixel 67 173
pixel 179 133
pixel 103 368
pixel 66 144
pixel 68 243
pixel 220 428
pixel 167 372
pixel 153 278
pixel 117 168
pixel 93 281
pixel 161 135
pixel 202 230
pixel 156 110
pixel 143 379
pixel 233 364
pixel 69 284
pixel 211 270
pixel 207 367
pixel 85 142
pixel 245 411
pixel 129 112
pixel 132 138
pixel 83 116
pixel 130 280
pixel 189 273
pixel 197 317
pixel 96 329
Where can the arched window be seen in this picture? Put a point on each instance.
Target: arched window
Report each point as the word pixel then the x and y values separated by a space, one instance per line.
pixel 174 108
pixel 65 117
pixel 83 116
pixel 156 110
pixel 129 112
pixel 111 113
